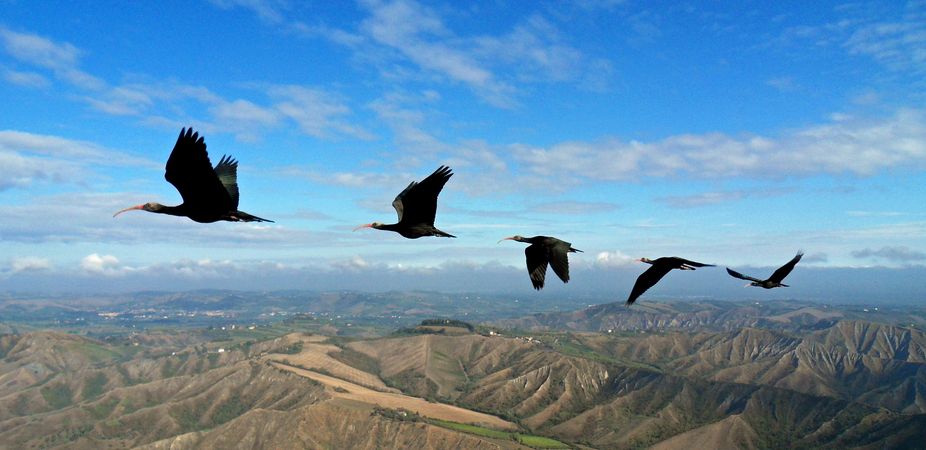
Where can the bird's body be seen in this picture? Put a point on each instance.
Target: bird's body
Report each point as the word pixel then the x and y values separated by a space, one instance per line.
pixel 546 250
pixel 209 194
pixel 416 207
pixel 773 281
pixel 660 267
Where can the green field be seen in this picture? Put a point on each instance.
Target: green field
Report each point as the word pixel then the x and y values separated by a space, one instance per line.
pixel 524 439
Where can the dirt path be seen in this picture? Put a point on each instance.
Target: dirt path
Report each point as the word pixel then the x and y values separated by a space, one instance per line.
pixel 359 393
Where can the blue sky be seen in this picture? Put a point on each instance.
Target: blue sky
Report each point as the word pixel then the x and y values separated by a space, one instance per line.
pixel 732 133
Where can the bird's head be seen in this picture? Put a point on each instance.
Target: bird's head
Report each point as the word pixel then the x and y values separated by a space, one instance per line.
pixel 150 207
pixel 369 225
pixel 516 237
pixel 645 260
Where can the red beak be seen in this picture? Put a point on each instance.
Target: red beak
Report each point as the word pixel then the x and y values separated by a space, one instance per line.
pixel 367 225
pixel 129 209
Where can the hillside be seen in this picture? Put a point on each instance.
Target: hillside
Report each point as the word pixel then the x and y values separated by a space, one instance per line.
pixel 854 383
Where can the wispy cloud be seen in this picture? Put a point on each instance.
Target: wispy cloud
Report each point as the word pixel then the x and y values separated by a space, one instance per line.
pixel 63 59
pixel 846 145
pixel 892 254
pixel 28 158
pixel 30 264
pixel 574 207
pixel 894 37
pixel 315 111
pixel 897 44
pixel 418 33
pixel 270 11
pixel 24 78
pixel 703 199
pixel 410 41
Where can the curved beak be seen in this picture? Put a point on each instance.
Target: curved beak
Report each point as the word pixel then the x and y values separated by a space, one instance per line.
pixel 747 285
pixel 505 239
pixel 366 225
pixel 129 209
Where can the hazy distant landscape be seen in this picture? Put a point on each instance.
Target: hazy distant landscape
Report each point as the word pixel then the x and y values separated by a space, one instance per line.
pixel 231 369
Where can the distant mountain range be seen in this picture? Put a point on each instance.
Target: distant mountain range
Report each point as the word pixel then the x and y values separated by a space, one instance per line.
pixel 717 375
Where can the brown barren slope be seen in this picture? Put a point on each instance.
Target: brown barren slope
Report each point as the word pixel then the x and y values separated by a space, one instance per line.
pixel 350 391
pixel 333 424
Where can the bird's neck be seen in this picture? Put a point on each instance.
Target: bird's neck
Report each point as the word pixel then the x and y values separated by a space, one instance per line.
pixel 178 210
pixel 387 226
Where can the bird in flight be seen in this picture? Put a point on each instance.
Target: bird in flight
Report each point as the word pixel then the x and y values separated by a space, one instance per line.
pixel 416 207
pixel 542 251
pixel 773 281
pixel 209 194
pixel 660 267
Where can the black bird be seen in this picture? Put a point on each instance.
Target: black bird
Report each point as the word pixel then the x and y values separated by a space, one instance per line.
pixel 416 207
pixel 209 195
pixel 774 280
pixel 544 250
pixel 661 266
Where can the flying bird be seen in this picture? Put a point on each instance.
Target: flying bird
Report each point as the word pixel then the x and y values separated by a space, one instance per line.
pixel 209 194
pixel 773 281
pixel 661 266
pixel 542 251
pixel 416 207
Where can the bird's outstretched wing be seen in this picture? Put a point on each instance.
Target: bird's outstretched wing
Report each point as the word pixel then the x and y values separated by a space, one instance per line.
pixel 784 270
pixel 559 260
pixel 736 274
pixel 417 204
pixel 536 264
pixel 646 280
pixel 189 170
pixel 227 171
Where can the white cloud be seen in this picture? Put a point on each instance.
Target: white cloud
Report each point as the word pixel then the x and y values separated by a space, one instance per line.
pixel 316 112
pixel 102 264
pixel 268 10
pixel 28 158
pixel 703 199
pixel 850 145
pixel 61 58
pixel 614 259
pixel 28 79
pixel 575 207
pixel 899 254
pixel 29 264
pixel 899 45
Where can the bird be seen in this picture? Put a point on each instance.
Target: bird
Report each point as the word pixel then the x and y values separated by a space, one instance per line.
pixel 661 266
pixel 773 281
pixel 209 194
pixel 542 251
pixel 416 207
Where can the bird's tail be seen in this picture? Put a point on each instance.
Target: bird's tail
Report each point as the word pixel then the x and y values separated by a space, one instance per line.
pixel 442 234
pixel 574 250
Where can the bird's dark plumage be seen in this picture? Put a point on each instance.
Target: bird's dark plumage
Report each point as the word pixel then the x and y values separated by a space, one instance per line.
pixel 543 251
pixel 777 277
pixel 660 267
pixel 416 207
pixel 209 194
